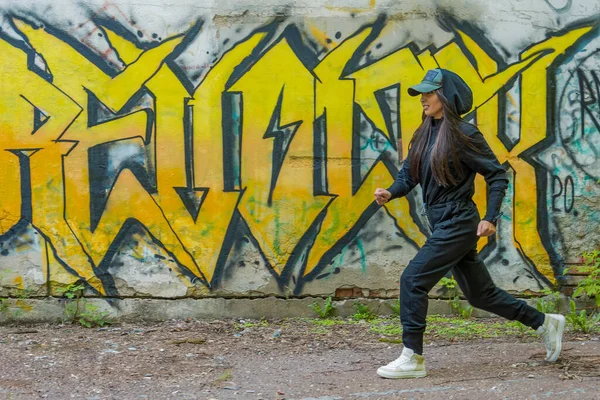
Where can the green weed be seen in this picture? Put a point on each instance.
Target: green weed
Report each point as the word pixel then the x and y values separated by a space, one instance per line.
pixel 85 314
pixel 387 329
pixel 548 304
pixel 26 293
pixel 519 327
pixel 582 321
pixel 395 307
pixel 91 317
pixel 251 324
pixel 464 312
pixel 73 290
pixel 326 311
pixel 3 304
pixel 389 340
pixel 451 287
pixel 590 285
pixel 78 310
pixel 363 312
pixel 328 322
pixel 449 328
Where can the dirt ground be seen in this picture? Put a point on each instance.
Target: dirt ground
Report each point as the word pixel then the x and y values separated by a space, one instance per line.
pixel 287 359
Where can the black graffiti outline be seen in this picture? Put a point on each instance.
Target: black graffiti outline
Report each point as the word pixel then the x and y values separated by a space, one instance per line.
pixel 556 260
pixel 568 183
pixel 583 108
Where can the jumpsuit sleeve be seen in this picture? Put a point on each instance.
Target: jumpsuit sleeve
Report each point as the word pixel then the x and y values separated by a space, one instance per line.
pixel 404 182
pixel 484 161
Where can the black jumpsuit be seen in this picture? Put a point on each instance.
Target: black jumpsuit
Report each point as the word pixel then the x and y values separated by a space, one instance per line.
pixel 452 246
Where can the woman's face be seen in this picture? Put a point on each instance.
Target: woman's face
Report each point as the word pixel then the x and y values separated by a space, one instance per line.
pixel 432 106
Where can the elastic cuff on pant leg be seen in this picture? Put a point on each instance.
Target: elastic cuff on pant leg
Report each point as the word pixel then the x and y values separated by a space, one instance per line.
pixel 413 341
pixel 530 316
pixel 539 321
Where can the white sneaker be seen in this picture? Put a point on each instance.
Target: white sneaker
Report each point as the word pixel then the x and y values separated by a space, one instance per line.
pixel 408 365
pixel 552 331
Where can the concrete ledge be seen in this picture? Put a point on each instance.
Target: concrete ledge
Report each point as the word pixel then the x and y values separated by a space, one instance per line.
pixel 51 310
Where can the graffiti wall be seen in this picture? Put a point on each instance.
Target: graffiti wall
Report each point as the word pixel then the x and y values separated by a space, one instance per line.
pixel 177 150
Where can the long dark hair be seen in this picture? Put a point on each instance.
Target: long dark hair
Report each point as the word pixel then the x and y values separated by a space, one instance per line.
pixel 447 145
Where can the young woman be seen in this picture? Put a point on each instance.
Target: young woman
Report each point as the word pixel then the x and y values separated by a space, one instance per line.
pixel 444 156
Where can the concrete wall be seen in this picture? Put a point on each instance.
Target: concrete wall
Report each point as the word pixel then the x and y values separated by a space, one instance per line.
pixel 231 149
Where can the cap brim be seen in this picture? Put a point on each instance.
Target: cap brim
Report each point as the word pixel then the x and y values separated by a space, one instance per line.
pixel 422 87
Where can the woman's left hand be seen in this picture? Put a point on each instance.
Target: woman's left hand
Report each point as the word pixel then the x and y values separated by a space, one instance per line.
pixel 486 228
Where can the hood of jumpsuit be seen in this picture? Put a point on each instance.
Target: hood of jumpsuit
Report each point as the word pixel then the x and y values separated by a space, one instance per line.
pixel 458 93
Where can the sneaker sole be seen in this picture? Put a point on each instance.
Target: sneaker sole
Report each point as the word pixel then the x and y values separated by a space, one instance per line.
pixel 561 328
pixel 402 375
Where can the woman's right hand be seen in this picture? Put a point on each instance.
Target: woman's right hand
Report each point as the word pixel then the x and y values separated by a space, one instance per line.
pixel 382 196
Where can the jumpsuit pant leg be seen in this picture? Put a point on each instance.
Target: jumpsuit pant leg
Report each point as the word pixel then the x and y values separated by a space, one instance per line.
pixel 477 285
pixel 452 246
